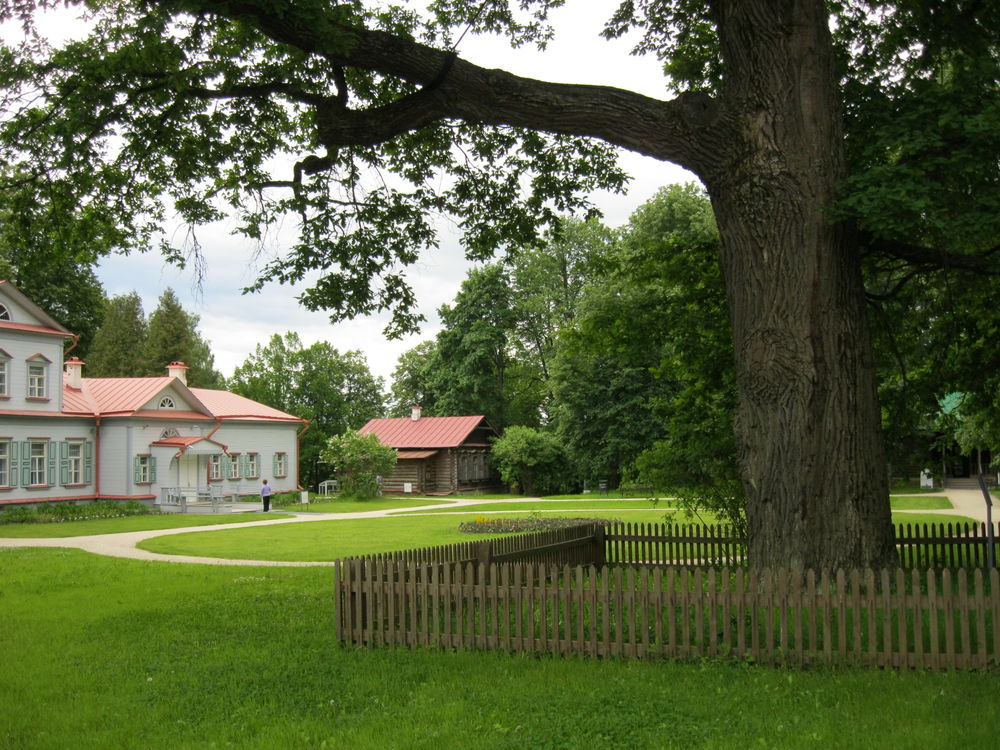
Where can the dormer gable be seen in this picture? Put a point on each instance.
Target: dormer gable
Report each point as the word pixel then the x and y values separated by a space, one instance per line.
pixel 18 311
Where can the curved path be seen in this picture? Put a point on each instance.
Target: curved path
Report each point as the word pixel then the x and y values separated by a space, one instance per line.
pixel 967 503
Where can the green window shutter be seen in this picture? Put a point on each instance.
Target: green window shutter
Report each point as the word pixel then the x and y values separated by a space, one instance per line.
pixel 64 462
pixel 274 465
pixel 152 468
pixel 136 474
pixel 224 466
pixel 50 475
pixel 244 471
pixel 25 463
pixel 88 462
pixel 12 465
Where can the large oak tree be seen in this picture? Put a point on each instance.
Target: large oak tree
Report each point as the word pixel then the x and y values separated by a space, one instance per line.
pixel 173 106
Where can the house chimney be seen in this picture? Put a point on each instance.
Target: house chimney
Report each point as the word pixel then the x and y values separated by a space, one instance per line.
pixel 74 373
pixel 178 370
pixel 415 412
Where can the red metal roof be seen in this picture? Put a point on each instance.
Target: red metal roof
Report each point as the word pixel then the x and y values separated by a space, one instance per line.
pixel 128 396
pixel 231 406
pixel 426 432
pixel 415 454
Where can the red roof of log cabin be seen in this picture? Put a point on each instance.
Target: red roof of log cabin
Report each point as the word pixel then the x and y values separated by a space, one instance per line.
pixel 426 432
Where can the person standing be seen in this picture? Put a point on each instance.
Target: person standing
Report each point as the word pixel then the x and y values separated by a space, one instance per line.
pixel 265 495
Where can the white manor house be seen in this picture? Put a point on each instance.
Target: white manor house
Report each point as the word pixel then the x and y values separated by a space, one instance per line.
pixel 65 437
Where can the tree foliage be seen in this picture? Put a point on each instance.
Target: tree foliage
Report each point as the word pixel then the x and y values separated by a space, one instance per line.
pixel 119 339
pixel 172 336
pixel 334 390
pixel 530 460
pixel 358 461
pixel 817 130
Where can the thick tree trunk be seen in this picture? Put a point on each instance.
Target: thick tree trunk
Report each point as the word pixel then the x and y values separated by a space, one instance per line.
pixel 808 424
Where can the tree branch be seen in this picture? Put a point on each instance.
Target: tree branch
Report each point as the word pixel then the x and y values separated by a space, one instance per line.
pixel 685 130
pixel 934 259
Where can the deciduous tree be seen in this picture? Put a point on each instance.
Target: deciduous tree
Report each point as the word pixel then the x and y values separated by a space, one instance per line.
pixel 172 106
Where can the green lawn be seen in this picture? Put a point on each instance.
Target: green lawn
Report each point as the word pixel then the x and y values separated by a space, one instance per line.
pixel 362 506
pixel 559 505
pixel 100 653
pixel 132 523
pixel 332 540
pixel 909 502
pixel 322 541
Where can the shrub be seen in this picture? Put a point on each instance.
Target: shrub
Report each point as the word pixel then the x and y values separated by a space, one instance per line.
pixel 59 512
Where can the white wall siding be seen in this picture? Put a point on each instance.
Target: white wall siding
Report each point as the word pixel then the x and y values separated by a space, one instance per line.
pixel 17 431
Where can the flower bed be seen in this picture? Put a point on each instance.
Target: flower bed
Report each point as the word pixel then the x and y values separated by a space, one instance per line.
pixel 483 525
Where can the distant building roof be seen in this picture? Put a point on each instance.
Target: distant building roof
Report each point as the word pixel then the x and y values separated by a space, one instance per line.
pixel 426 432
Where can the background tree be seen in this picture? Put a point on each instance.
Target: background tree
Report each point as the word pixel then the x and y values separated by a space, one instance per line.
pixel 413 381
pixel 761 89
pixel 474 369
pixel 172 336
pixel 530 460
pixel 357 461
pixel 335 391
pixel 119 339
pixel 65 287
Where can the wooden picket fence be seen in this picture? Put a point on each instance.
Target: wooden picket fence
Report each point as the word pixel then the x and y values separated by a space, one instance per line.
pixel 678 591
pixel 923 619
pixel 939 545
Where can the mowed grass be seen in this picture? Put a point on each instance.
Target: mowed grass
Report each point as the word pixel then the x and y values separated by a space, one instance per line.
pixel 318 541
pixel 909 502
pixel 324 541
pixel 362 506
pixel 547 506
pixel 131 523
pixel 100 653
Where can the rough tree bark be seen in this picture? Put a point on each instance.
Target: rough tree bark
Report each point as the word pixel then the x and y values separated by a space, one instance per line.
pixel 769 148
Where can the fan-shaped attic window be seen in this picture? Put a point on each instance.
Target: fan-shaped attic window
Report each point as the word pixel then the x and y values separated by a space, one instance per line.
pixel 170 432
pixel 167 403
pixel 4 312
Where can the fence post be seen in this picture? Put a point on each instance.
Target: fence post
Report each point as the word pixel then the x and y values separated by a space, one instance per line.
pixel 600 553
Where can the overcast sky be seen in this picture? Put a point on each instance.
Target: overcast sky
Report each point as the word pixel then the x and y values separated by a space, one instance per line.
pixel 234 324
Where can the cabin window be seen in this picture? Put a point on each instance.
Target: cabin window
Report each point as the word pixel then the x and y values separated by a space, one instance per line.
pixel 280 468
pixel 234 466
pixel 4 376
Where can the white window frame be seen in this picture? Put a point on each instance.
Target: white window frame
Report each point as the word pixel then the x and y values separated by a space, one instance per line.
pixel 252 466
pixel 4 312
pixel 37 378
pixel 6 463
pixel 4 376
pixel 38 463
pixel 214 467
pixel 74 462
pixel 167 403
pixel 143 469
pixel 234 466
